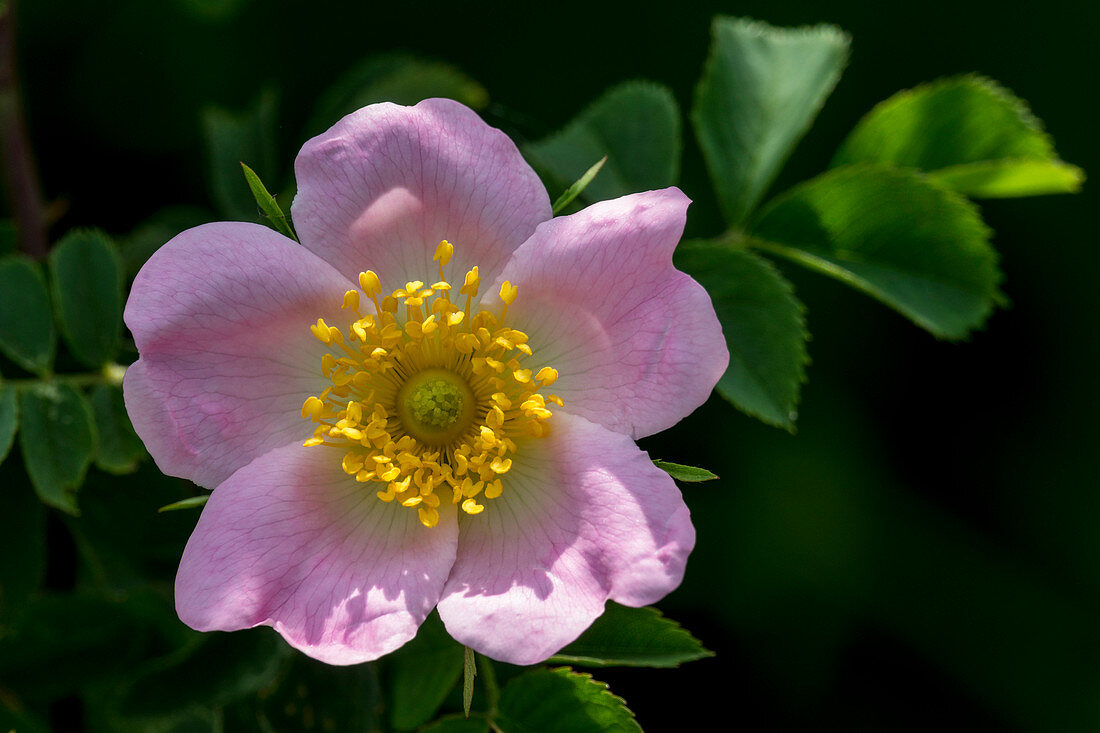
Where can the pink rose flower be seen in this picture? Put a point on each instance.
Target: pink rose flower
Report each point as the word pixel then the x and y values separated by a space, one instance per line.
pixel 379 446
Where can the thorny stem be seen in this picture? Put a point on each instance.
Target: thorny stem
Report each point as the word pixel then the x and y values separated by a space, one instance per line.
pixel 20 174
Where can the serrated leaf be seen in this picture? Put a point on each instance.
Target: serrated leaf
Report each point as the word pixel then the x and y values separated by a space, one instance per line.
pixel 23 541
pixel 763 324
pixel 562 701
pixel 424 671
pixel 215 670
pixel 86 281
pixel 632 637
pixel 119 448
pixel 919 248
pixel 232 137
pixel 27 334
pixel 636 125
pixel 398 78
pixel 689 474
pixel 970 133
pixel 9 418
pixel 760 91
pixel 191 502
pixel 267 203
pixel 578 186
pixel 58 439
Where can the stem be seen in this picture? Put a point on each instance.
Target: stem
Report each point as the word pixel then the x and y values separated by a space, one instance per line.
pixel 111 375
pixel 20 174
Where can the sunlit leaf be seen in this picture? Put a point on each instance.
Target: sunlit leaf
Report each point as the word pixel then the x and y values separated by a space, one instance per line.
pixel 578 187
pixel 86 281
pixel 57 436
pixel 191 502
pixel 27 334
pixel 636 125
pixel 632 637
pixel 969 133
pixel 759 93
pixel 919 248
pixel 562 701
pixel 764 326
pixel 267 203
pixel 689 474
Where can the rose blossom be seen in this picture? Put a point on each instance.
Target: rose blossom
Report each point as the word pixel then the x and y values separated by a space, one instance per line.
pixel 431 403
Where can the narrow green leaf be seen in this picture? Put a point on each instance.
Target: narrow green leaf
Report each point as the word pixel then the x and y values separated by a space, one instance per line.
pixel 119 449
pixel 976 136
pixel 1009 177
pixel 424 671
pixel 919 248
pixel 215 670
pixel 267 204
pixel 398 78
pixel 759 93
pixel 635 125
pixel 689 474
pixel 86 283
pixel 578 186
pixel 23 542
pixel 189 503
pixel 57 436
pixel 562 701
pixel 9 418
pixel 469 671
pixel 26 326
pixel 231 137
pixel 764 326
pixel 632 637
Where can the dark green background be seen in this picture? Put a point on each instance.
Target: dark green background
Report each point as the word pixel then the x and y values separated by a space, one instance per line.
pixel 926 551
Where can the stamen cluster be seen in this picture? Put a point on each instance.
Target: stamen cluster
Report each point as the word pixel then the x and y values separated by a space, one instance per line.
pixel 426 395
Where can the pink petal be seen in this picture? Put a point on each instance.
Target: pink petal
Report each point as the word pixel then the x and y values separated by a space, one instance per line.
pixel 221 316
pixel 382 187
pixel 585 516
pixel 291 541
pixel 636 342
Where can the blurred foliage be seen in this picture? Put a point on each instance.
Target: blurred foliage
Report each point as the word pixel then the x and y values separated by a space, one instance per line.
pixel 925 547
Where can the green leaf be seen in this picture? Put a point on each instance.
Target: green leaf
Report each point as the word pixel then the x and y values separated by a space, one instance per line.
pixel 119 449
pixel 57 436
pixel 190 502
pixel 231 138
pixel 636 125
pixel 23 541
pixel 217 669
pixel 26 326
pixel 398 78
pixel 155 231
pixel 973 135
pixel 688 474
pixel 581 183
pixel 632 637
pixel 424 671
pixel 9 419
pixel 764 326
pixel 759 93
pixel 562 701
pixel 919 248
pixel 469 671
pixel 86 280
pixel 267 204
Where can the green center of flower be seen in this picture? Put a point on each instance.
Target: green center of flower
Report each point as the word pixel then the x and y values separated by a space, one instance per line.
pixel 435 404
